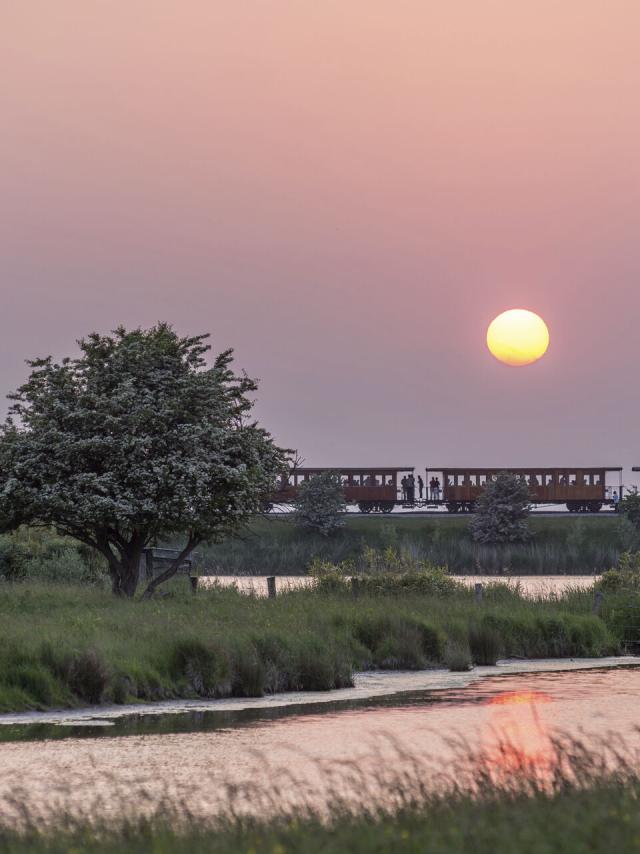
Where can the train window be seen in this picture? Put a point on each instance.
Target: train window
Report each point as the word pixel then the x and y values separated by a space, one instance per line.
pixel 573 478
pixel 596 480
pixel 547 479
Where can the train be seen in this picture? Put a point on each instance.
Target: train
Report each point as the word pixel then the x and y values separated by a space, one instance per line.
pixel 380 489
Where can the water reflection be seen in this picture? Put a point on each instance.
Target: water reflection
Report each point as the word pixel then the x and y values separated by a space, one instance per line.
pixel 529 585
pixel 289 750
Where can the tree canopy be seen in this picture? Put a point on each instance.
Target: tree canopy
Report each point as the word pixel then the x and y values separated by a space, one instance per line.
pixel 502 511
pixel 135 440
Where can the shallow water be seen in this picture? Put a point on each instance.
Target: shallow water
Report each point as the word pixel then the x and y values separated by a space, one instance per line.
pixel 530 585
pixel 294 754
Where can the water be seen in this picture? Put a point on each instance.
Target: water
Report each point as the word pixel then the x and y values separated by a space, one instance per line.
pixel 530 585
pixel 297 753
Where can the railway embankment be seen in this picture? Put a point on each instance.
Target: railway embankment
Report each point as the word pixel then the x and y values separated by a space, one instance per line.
pixel 91 648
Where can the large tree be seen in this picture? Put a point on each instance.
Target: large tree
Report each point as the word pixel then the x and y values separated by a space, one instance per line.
pixel 135 440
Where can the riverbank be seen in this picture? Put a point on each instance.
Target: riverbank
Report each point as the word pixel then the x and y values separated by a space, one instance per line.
pixel 91 649
pixel 366 686
pixel 569 544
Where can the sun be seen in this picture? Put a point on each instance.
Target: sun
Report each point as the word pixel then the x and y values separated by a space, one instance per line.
pixel 518 337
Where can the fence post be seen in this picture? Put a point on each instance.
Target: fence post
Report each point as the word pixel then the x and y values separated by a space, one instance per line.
pixel 478 593
pixel 355 587
pixel 271 586
pixel 597 603
pixel 194 583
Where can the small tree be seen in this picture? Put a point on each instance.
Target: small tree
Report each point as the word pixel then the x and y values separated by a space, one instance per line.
pixel 502 511
pixel 320 505
pixel 133 441
pixel 630 507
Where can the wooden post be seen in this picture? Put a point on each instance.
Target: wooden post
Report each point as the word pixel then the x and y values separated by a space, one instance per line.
pixel 271 586
pixel 478 593
pixel 597 602
pixel 194 583
pixel 355 587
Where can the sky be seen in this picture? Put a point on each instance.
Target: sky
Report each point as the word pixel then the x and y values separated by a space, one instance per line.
pixel 347 193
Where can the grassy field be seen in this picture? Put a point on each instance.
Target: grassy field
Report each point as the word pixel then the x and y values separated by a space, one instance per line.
pixel 579 808
pixel 90 648
pixel 568 544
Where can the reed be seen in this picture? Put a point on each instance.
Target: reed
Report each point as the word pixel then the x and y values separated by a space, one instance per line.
pixel 581 800
pixel 90 648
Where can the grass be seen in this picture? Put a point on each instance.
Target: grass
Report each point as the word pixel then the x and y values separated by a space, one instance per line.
pixel 568 545
pixel 578 802
pixel 69 646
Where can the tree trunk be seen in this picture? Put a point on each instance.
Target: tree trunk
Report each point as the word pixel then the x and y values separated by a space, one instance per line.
pixel 125 571
pixel 171 571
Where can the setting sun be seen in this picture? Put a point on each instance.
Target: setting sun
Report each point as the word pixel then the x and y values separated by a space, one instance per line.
pixel 518 337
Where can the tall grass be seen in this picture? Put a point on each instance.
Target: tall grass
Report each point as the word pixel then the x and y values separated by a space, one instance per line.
pixel 67 646
pixel 578 800
pixel 559 546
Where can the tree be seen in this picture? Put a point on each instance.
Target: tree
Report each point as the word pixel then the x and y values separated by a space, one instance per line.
pixel 134 440
pixel 629 506
pixel 320 504
pixel 502 511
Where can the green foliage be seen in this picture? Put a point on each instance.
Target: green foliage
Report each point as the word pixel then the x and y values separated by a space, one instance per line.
pixel 629 507
pixel 320 504
pixel 275 546
pixel 625 576
pixel 502 511
pixel 135 440
pixel 40 555
pixel 385 572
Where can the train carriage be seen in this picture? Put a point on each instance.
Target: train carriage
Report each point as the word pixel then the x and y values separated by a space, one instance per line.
pixel 372 489
pixel 581 489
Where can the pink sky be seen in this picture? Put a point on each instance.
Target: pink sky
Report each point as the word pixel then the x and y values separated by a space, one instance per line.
pixel 347 192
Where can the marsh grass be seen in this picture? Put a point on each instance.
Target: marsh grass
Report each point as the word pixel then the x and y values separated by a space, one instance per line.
pixel 579 797
pixel 559 546
pixel 69 646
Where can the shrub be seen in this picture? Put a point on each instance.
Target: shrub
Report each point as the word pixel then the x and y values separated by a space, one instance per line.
pixel 13 560
pixel 626 575
pixel 502 511
pixel 320 504
pixel 87 676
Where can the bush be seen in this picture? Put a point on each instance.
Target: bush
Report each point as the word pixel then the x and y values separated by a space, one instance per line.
pixel 626 575
pixel 320 504
pixel 88 676
pixel 502 511
pixel 13 560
